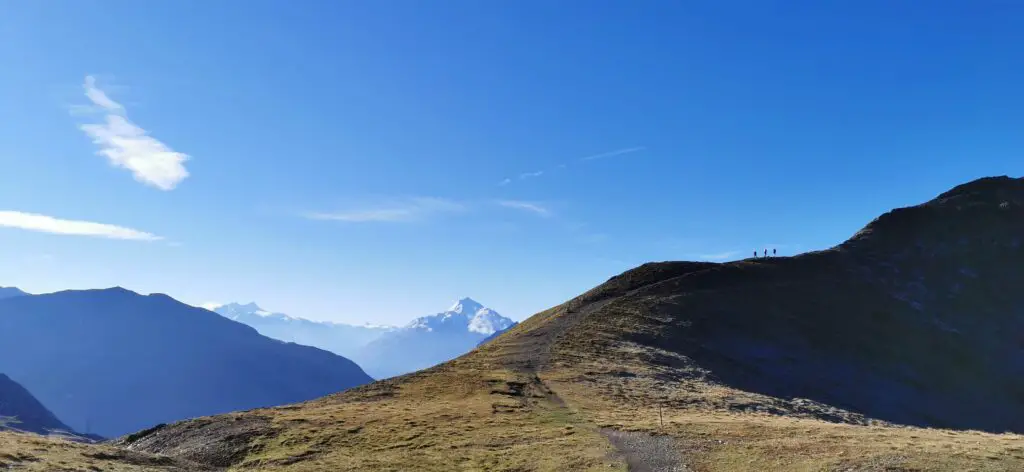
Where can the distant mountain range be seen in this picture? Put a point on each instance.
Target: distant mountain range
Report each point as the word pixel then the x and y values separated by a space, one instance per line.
pixel 383 351
pixel 339 338
pixel 113 361
pixel 8 292
pixel 430 340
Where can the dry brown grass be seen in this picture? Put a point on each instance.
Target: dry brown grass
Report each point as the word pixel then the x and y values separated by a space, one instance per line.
pixel 538 398
pixel 32 452
pixel 715 440
pixel 712 438
pixel 454 420
pixel 465 417
pixel 451 420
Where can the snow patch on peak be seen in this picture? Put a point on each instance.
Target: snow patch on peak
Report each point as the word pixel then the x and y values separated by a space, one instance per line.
pixel 251 307
pixel 422 323
pixel 487 322
pixel 465 306
pixel 374 326
pixel 212 306
pixel 237 311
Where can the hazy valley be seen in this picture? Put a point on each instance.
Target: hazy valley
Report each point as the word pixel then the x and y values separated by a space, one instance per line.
pixel 383 351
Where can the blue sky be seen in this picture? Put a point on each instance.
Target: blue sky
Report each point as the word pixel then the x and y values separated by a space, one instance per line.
pixel 374 161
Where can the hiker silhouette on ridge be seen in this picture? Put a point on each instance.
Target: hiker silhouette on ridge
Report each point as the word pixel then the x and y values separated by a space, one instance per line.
pixel 774 252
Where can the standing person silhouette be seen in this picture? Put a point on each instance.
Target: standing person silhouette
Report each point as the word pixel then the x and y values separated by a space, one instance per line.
pixel 755 254
pixel 773 252
pixel 766 253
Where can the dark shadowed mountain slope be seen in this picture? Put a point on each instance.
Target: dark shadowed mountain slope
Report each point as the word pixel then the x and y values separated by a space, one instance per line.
pixel 20 411
pixel 916 319
pixel 112 361
pixel 799 363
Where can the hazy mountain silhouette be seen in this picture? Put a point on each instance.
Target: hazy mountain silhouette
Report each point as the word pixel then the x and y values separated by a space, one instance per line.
pixel 113 361
pixel 382 351
pixel 8 292
pixel 339 338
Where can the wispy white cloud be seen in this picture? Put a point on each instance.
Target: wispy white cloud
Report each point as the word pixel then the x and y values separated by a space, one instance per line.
pixel 128 146
pixel 532 207
pixel 49 224
pixel 210 305
pixel 720 256
pixel 617 152
pixel 395 211
pixel 99 97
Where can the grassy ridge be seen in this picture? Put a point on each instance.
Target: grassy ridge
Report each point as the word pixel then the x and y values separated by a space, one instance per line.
pixel 790 364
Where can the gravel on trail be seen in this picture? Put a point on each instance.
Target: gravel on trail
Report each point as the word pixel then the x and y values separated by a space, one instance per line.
pixel 647 452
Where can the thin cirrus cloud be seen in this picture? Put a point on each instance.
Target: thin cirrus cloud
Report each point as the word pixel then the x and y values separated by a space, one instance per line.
pixel 49 224
pixel 532 207
pixel 394 211
pixel 128 146
pixel 418 209
pixel 617 152
pixel 603 155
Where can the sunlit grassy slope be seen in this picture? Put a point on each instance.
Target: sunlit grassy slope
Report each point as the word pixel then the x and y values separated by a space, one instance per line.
pixel 818 362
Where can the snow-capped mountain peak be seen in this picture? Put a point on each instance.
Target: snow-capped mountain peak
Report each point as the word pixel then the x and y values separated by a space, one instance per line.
pixel 466 314
pixel 246 307
pixel 383 351
pixel 235 311
pixel 465 306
